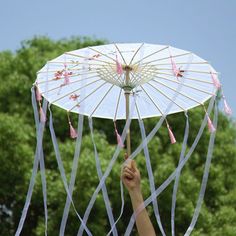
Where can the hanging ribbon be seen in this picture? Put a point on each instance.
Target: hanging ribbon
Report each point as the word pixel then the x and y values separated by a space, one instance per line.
pixel 150 175
pixel 104 189
pixel 205 176
pixel 122 207
pixel 38 156
pixel 73 174
pixel 175 188
pixel 136 152
pixel 75 159
pixel 62 171
pixel 105 175
pixel 173 175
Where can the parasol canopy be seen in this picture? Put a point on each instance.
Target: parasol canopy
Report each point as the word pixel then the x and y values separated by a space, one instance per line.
pixel 106 74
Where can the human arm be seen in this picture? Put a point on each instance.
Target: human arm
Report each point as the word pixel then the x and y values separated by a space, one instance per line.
pixel 131 179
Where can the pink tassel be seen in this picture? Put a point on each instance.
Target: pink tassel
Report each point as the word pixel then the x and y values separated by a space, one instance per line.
pixel 227 109
pixel 215 80
pixel 210 125
pixel 42 115
pixel 73 133
pixel 171 135
pixel 119 140
pixel 119 68
pixel 38 95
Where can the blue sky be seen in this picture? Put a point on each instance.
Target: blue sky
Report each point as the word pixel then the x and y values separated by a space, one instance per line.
pixel 205 27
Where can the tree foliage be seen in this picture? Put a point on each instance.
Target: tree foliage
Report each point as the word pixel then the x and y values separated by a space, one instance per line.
pixel 17 145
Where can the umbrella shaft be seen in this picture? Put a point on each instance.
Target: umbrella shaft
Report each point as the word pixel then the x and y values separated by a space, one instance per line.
pixel 127 94
pixel 128 142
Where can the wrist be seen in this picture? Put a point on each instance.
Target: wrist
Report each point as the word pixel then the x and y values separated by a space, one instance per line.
pixel 136 193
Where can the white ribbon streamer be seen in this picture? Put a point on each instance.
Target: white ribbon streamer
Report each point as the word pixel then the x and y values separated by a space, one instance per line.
pixel 150 176
pixel 184 145
pixel 73 174
pixel 173 175
pixel 103 179
pixel 38 155
pixel 205 175
pixel 104 189
pixel 62 171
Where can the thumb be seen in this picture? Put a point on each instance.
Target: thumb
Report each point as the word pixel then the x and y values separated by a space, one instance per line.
pixel 133 165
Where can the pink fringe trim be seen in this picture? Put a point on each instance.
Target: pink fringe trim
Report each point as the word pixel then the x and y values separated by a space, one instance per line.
pixel 211 127
pixel 73 133
pixel 171 135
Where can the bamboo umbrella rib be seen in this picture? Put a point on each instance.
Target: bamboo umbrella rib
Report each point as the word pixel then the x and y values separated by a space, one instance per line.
pixel 76 81
pixel 137 77
pixel 136 53
pixel 101 100
pixel 94 91
pixel 111 75
pixel 109 72
pixel 158 108
pixel 76 63
pixel 102 54
pixel 178 92
pixel 70 76
pixel 194 79
pixel 118 102
pixel 158 90
pixel 71 92
pixel 194 71
pixel 168 69
pixel 142 69
pixel 164 58
pixel 138 62
pixel 87 58
pixel 111 65
pixel 186 85
pixel 207 82
pixel 182 63
pixel 156 70
pixel 132 76
pixel 120 53
pixel 70 69
pixel 108 77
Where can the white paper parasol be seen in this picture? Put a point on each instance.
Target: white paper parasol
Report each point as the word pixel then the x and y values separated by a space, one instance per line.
pixel 149 71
